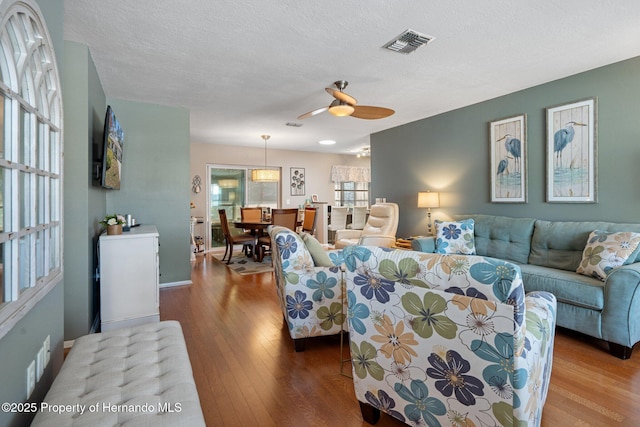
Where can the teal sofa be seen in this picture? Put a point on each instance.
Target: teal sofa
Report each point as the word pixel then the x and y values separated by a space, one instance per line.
pixel 548 254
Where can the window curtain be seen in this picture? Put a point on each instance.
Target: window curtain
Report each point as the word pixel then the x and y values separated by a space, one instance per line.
pixel 350 174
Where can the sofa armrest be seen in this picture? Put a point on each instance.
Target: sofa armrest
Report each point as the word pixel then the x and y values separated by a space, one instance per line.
pixel 382 241
pixel 536 351
pixel 621 312
pixel 424 244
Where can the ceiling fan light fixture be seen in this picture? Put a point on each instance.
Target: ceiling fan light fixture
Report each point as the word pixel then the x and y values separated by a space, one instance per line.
pixel 341 109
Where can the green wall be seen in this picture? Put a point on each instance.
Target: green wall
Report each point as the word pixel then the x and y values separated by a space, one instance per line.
pixel 449 153
pixel 155 179
pixel 84 202
pixel 19 347
pixel 155 189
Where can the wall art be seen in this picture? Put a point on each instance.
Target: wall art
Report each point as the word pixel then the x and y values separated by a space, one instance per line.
pixel 509 159
pixel 571 152
pixel 297 182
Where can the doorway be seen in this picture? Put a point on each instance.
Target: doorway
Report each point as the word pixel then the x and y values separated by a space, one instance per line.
pixel 231 188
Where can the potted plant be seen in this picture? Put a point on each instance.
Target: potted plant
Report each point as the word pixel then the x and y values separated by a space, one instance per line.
pixel 113 223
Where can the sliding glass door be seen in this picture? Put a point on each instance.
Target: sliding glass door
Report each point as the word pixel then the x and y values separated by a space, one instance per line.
pixel 230 188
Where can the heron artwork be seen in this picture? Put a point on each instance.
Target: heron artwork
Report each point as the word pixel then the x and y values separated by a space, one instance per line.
pixel 513 147
pixel 503 166
pixel 562 138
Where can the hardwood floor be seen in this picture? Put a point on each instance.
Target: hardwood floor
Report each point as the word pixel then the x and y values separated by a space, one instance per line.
pixel 247 372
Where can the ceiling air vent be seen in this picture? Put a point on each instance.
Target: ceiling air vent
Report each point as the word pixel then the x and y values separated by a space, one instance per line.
pixel 407 42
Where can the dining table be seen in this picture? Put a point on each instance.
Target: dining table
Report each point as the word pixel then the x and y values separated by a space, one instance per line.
pixel 257 227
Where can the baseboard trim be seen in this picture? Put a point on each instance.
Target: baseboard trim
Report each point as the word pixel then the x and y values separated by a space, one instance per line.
pixel 172 284
pixel 68 344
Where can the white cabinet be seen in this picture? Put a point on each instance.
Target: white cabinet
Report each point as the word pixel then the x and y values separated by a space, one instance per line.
pixel 129 278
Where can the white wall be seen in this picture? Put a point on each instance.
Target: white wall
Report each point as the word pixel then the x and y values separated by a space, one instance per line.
pixel 317 169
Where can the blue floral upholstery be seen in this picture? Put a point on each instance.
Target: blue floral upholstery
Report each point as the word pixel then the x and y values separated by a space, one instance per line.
pixel 443 340
pixel 310 297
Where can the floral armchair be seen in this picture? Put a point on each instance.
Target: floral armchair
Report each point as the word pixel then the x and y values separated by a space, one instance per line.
pixel 309 285
pixel 447 339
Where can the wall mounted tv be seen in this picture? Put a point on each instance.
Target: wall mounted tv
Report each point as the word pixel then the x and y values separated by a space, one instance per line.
pixel 113 143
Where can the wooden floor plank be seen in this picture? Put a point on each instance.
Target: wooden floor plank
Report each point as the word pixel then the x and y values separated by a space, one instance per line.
pixel 247 372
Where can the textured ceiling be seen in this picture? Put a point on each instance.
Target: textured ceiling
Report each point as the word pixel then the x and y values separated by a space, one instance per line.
pixel 246 68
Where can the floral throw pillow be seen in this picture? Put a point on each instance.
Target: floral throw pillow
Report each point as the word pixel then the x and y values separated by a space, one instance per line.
pixel 455 237
pixel 605 251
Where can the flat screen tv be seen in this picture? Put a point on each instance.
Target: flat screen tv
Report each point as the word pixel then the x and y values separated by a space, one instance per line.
pixel 113 143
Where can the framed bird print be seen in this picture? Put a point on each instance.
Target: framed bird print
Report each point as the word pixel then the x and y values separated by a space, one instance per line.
pixel 571 152
pixel 509 160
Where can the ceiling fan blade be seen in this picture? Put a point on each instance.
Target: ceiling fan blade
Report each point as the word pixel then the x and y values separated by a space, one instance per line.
pixel 371 113
pixel 341 96
pixel 312 113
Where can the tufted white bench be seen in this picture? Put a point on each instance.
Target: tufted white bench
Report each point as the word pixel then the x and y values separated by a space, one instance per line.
pixel 138 376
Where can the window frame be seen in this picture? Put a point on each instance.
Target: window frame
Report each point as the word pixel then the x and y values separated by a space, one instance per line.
pixel 340 191
pixel 31 163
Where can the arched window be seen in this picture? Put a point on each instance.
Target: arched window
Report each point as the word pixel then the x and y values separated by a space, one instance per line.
pixel 30 161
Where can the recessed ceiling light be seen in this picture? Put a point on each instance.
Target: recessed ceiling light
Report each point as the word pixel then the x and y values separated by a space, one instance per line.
pixel 327 142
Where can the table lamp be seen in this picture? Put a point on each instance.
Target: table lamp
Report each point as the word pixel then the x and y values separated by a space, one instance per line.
pixel 428 199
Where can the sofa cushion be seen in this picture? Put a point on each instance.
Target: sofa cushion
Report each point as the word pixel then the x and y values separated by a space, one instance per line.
pixel 605 251
pixel 560 244
pixel 568 287
pixel 455 237
pixel 319 255
pixel 502 237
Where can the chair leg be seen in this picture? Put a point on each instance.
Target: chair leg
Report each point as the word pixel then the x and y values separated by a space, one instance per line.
pixel 226 250
pixel 299 344
pixel 230 252
pixel 369 413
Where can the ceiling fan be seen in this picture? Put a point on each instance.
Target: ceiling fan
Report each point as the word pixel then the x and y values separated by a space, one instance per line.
pixel 346 105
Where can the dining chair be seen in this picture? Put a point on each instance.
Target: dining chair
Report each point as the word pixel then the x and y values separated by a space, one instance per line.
pixel 250 214
pixel 283 217
pixel 358 218
pixel 309 222
pixel 338 221
pixel 245 239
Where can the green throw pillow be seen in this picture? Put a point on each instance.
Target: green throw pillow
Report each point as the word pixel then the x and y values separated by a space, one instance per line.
pixel 605 251
pixel 319 255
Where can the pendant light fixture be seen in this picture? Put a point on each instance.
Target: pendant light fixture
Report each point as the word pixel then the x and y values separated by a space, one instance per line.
pixel 265 175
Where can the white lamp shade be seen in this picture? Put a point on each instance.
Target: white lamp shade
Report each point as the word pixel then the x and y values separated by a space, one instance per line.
pixel 265 175
pixel 428 199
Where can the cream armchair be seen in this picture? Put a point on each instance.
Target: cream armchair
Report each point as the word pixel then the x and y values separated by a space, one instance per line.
pixel 380 229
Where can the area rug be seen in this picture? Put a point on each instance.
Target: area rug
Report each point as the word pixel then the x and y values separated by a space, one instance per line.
pixel 243 265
